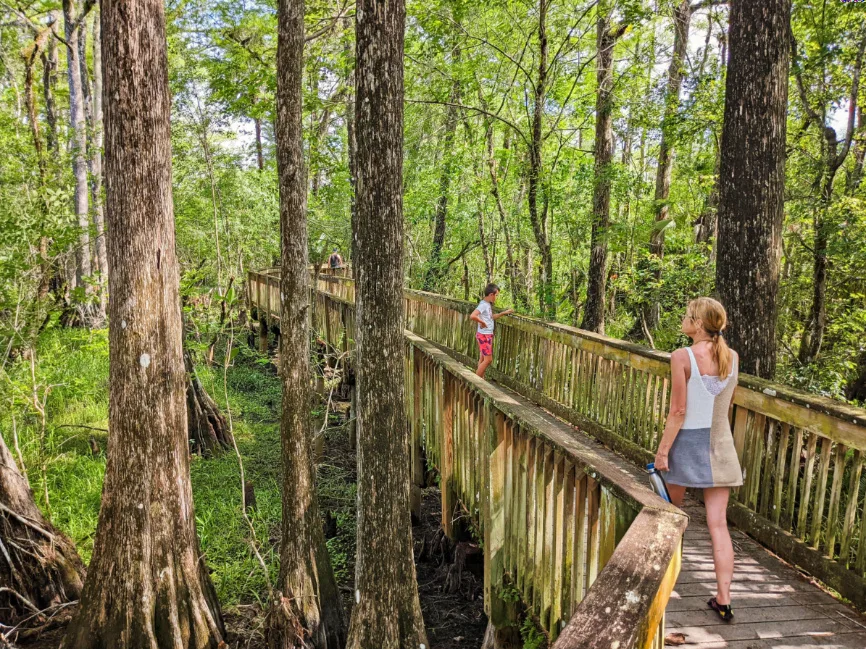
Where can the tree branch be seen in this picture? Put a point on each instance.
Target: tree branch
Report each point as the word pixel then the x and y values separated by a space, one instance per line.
pixel 707 3
pixel 852 103
pixel 798 75
pixel 477 110
pixel 324 30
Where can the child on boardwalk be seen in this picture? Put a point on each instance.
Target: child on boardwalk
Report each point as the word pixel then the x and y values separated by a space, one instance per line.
pixel 485 318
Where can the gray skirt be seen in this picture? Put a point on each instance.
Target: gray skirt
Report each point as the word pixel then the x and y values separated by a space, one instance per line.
pixel 689 459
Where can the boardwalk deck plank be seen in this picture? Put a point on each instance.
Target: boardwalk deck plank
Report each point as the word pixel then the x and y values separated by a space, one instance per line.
pixel 775 607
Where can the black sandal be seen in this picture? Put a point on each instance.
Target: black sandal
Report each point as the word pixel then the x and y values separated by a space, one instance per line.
pixel 724 610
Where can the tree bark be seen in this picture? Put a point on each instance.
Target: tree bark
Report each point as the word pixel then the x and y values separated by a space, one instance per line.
pixel 306 611
pixel 593 313
pixel 539 227
pixel 752 178
pixel 813 335
pixel 353 165
pixel 260 155
pixel 40 566
pixel 78 127
pixel 434 269
pixel 387 612
pixel 100 246
pixel 148 585
pixel 49 82
pixel 30 55
pixel 518 292
pixel 664 171
pixel 485 248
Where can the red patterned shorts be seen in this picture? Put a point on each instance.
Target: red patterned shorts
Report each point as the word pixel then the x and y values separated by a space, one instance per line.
pixel 485 344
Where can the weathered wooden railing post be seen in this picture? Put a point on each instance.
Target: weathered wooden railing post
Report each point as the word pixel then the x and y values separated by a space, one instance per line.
pixel 263 332
pixel 502 630
pixel 446 471
pixel 418 469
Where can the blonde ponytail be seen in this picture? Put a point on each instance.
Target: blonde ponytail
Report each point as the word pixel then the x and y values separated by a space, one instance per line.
pixel 714 319
pixel 723 355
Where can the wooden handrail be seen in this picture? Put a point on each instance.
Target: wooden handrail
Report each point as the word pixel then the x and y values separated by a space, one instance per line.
pixel 562 517
pixel 802 455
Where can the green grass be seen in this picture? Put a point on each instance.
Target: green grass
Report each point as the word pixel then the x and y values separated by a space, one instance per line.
pixel 75 364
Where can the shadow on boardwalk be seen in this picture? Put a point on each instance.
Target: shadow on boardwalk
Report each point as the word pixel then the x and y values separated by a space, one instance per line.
pixel 776 607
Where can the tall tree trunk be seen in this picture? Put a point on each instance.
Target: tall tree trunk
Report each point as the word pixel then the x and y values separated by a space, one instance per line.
pixel 148 584
pixel 387 612
pixel 518 292
pixel 260 156
pixel 30 56
pixel 49 82
pixel 855 175
pixel 434 269
pixel 664 171
pixel 593 313
pixel 41 567
pixel 353 170
pixel 96 169
pixel 813 336
pixel 752 178
pixel 534 181
pixel 306 611
pixel 78 127
pixel 485 247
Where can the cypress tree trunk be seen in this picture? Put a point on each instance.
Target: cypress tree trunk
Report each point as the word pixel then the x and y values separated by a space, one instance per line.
pixel 100 246
pixel 148 585
pixel 664 171
pixel 518 292
pixel 306 611
pixel 435 270
pixel 593 313
pixel 539 226
pixel 49 81
pixel 835 154
pixel 752 178
pixel 40 566
pixel 78 126
pixel 387 613
pixel 260 154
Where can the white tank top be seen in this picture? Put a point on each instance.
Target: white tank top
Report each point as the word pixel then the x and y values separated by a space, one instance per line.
pixel 701 394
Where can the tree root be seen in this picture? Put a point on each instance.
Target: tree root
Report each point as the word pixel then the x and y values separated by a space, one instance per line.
pixel 208 431
pixel 39 567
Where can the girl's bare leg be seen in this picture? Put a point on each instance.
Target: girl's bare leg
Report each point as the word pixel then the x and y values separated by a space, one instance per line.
pixel 677 493
pixel 716 501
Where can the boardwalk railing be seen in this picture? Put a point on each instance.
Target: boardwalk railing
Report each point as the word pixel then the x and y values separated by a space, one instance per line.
pixel 802 455
pixel 568 527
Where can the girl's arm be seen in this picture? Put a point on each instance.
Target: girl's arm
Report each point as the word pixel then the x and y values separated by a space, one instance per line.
pixel 677 413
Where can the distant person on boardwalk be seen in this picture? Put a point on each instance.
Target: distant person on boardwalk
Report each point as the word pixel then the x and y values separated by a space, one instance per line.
pixel 486 319
pixel 335 260
pixel 697 447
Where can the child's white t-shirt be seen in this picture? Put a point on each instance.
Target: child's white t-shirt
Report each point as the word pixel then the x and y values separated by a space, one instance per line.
pixel 485 311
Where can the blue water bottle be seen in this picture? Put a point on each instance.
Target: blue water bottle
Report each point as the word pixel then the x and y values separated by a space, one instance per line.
pixel 657 482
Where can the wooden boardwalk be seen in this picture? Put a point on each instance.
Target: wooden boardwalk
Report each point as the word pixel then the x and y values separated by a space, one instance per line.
pixel 775 606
